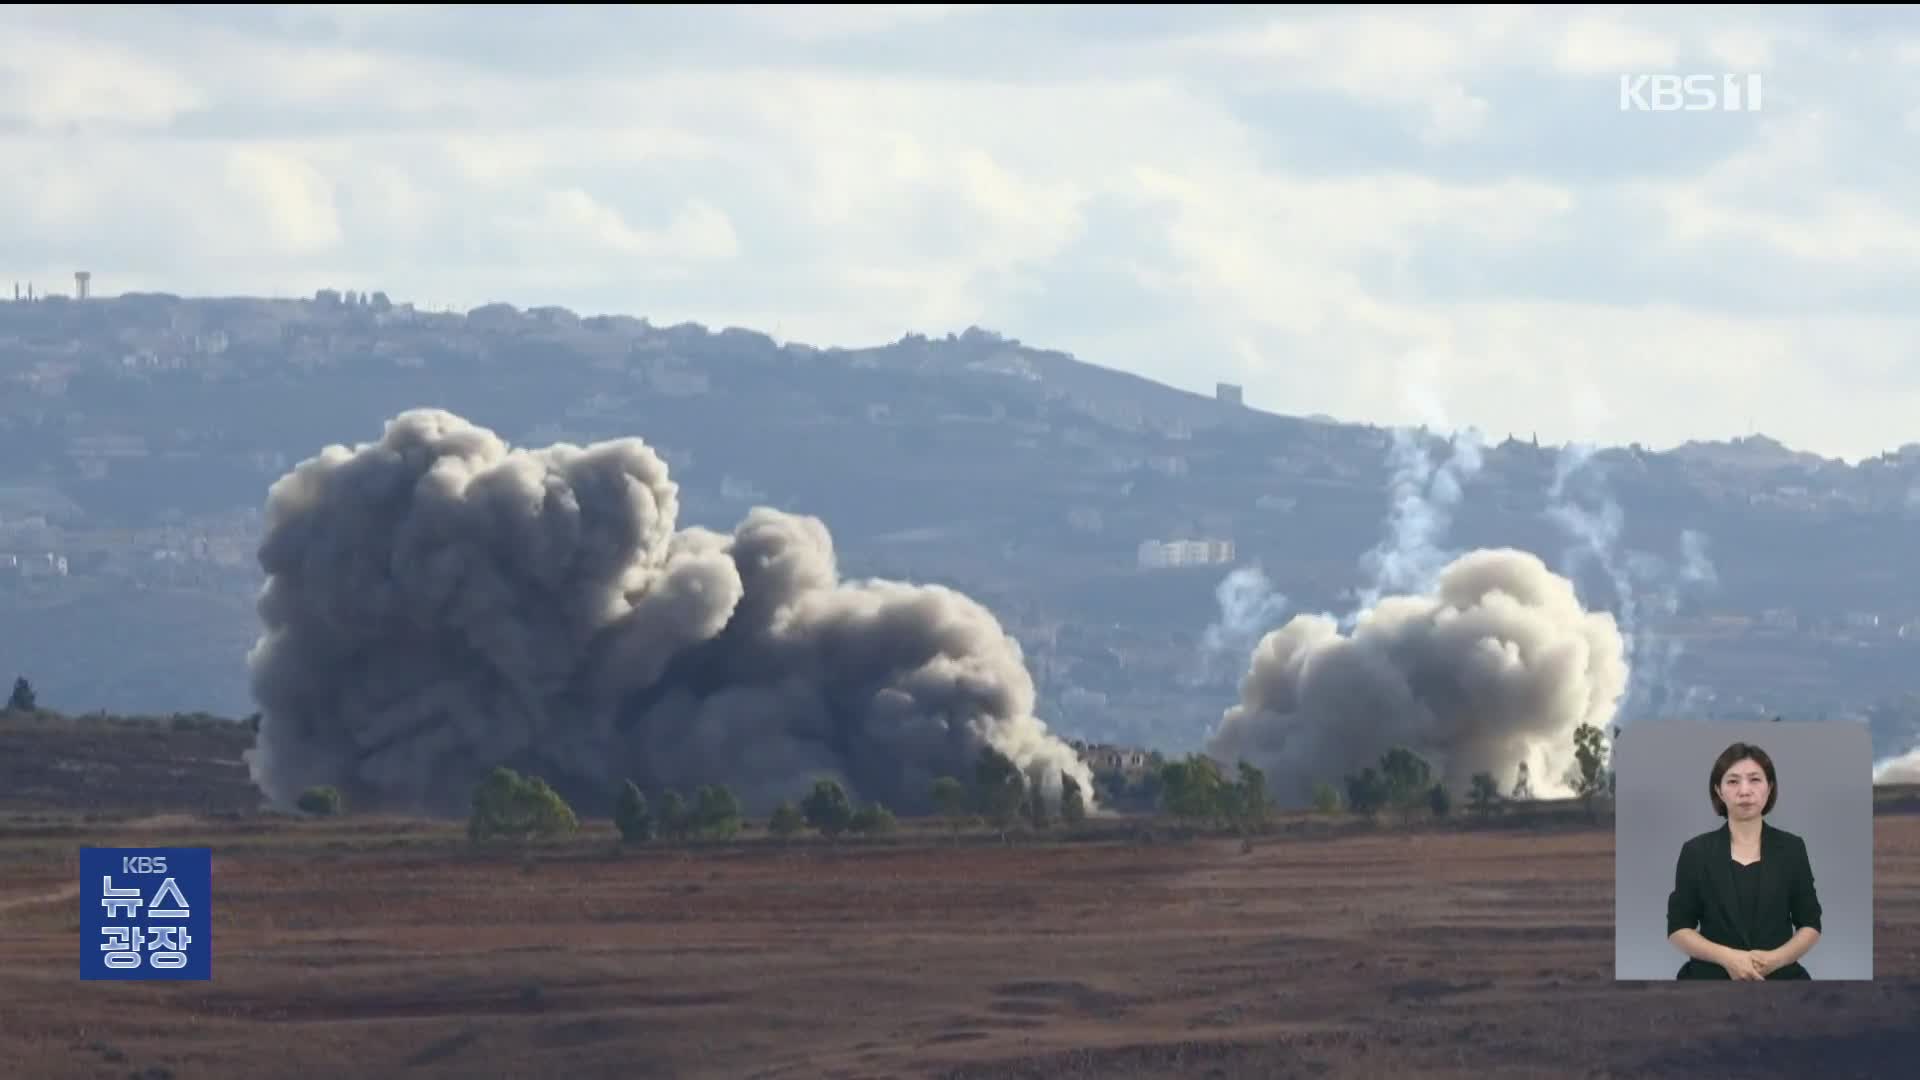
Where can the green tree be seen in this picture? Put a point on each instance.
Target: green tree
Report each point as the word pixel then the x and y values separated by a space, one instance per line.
pixel 716 812
pixel 1439 801
pixel 1588 775
pixel 1367 792
pixel 999 789
pixel 632 816
pixel 950 799
pixel 1485 794
pixel 872 820
pixel 1251 804
pixel 1325 799
pixel 508 805
pixel 1193 789
pixel 786 821
pixel 1407 776
pixel 22 699
pixel 1073 805
pixel 675 819
pixel 320 801
pixel 827 808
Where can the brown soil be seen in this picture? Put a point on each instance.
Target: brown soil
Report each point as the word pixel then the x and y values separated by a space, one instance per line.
pixel 124 765
pixel 381 948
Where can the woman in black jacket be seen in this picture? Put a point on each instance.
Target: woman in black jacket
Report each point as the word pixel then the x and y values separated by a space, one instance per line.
pixel 1743 905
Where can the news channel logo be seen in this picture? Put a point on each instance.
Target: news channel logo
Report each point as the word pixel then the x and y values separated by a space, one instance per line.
pixel 1691 93
pixel 146 914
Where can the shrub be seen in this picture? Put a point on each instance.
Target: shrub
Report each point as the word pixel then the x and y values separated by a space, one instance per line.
pixel 632 816
pixel 1485 794
pixel 998 787
pixel 950 800
pixel 716 812
pixel 827 808
pixel 320 801
pixel 1367 792
pixel 786 821
pixel 872 820
pixel 1325 799
pixel 23 698
pixel 675 821
pixel 514 807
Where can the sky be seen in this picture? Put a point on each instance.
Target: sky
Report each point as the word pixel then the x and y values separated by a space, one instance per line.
pixel 1383 215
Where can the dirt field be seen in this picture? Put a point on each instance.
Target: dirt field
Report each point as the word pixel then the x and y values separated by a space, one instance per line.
pixel 387 948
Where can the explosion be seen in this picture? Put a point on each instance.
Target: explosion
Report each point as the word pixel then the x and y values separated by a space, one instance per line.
pixel 1496 665
pixel 438 603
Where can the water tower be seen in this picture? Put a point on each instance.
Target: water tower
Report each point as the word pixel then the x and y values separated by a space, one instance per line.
pixel 81 280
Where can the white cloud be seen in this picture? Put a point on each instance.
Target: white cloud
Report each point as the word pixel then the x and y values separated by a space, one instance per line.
pixel 1295 201
pixel 292 200
pixel 56 80
pixel 571 219
pixel 820 22
pixel 1594 46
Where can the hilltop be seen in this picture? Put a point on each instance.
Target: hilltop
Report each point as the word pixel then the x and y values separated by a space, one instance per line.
pixel 139 434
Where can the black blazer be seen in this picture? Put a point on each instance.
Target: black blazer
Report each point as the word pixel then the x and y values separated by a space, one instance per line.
pixel 1704 899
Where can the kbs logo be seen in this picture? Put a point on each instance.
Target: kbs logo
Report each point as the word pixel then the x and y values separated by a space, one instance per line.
pixel 146 913
pixel 1690 93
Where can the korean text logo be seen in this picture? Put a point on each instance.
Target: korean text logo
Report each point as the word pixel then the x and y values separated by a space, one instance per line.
pixel 146 914
pixel 1690 93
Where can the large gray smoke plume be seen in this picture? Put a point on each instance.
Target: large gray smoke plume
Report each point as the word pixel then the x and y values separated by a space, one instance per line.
pixel 1498 664
pixel 438 603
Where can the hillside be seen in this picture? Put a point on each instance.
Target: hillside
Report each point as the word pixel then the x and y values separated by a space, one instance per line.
pixel 138 435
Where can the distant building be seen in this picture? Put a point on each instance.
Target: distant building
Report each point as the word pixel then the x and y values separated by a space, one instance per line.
pixel 1158 554
pixel 1229 394
pixel 1105 757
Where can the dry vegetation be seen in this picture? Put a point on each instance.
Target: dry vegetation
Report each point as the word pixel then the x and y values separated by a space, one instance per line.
pixel 356 947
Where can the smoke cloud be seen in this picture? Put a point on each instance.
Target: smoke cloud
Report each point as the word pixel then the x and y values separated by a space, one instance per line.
pixel 1425 493
pixel 1652 658
pixel 438 603
pixel 1641 582
pixel 1904 769
pixel 1249 607
pixel 1499 663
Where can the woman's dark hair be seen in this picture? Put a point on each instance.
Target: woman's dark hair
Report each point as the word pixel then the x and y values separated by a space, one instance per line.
pixel 1728 758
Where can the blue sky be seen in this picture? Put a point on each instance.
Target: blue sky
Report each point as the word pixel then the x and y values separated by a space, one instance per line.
pixel 1328 205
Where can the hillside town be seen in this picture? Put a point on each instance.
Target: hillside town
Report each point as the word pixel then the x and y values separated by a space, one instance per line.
pixel 140 433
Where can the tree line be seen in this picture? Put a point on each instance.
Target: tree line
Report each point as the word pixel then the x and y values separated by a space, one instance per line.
pixel 1195 789
pixel 509 806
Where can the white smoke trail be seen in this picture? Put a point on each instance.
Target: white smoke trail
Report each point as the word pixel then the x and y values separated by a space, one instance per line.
pixel 1425 492
pixel 1425 495
pixel 1640 581
pixel 1249 607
